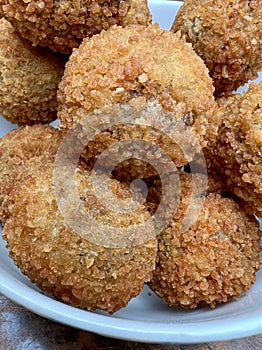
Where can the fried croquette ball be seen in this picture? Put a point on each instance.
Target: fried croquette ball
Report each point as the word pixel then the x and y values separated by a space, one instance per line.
pixel 62 25
pixel 122 63
pixel 138 139
pixel 29 78
pixel 216 179
pixel 237 152
pixel 227 35
pixel 211 262
pixel 61 262
pixel 202 171
pixel 22 144
pixel 146 66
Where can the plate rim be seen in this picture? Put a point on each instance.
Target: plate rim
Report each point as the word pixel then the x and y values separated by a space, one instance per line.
pixel 124 329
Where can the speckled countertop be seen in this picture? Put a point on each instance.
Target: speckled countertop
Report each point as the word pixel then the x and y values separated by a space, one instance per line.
pixel 22 330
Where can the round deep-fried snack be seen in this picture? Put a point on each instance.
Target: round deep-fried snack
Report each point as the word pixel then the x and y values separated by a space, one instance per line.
pixel 212 169
pixel 61 25
pixel 61 262
pixel 237 152
pixel 22 144
pixel 148 69
pixel 212 261
pixel 29 78
pixel 123 63
pixel 227 35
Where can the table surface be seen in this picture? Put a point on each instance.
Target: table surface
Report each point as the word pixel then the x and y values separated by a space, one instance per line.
pixel 22 330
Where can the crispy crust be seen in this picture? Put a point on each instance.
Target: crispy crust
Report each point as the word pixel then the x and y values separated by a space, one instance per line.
pixel 61 262
pixel 29 79
pixel 227 35
pixel 237 152
pixel 151 141
pixel 212 262
pixel 217 181
pixel 109 68
pixel 22 144
pixel 61 25
pixel 138 13
pixel 144 68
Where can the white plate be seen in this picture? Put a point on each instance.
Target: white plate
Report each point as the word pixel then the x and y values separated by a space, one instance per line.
pixel 146 318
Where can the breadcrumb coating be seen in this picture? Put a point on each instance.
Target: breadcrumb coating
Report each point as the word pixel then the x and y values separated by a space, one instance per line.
pixel 213 261
pixel 144 68
pixel 227 35
pixel 29 78
pixel 146 61
pixel 204 170
pixel 207 249
pixel 20 145
pixel 138 139
pixel 216 179
pixel 138 13
pixel 61 262
pixel 237 152
pixel 62 25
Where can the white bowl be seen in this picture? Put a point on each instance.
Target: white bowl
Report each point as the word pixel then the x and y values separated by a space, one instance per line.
pixel 146 318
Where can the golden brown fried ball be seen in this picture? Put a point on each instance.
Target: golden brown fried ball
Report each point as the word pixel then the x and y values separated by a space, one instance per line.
pixel 61 25
pixel 212 261
pixel 237 153
pixel 62 263
pixel 138 13
pixel 122 63
pixel 227 35
pixel 216 179
pixel 147 69
pixel 22 144
pixel 203 170
pixel 142 140
pixel 29 78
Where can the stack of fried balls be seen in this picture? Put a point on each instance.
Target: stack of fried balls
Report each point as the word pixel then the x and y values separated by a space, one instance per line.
pixel 102 68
